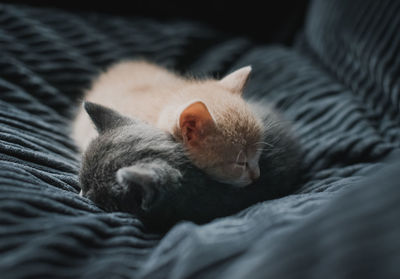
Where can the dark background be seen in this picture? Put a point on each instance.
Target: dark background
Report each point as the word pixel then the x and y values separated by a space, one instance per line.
pixel 263 21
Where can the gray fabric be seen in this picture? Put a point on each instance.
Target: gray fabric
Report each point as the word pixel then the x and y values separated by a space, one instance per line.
pixel 339 85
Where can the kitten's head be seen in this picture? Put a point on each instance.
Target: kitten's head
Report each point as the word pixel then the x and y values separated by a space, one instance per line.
pixel 224 136
pixel 130 164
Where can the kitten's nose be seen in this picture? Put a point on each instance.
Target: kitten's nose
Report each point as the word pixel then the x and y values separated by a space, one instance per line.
pixel 255 173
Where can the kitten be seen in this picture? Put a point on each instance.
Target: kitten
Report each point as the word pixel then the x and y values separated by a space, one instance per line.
pixel 132 166
pixel 220 131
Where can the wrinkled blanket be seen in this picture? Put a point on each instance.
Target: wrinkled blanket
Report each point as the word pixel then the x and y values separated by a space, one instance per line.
pixel 339 85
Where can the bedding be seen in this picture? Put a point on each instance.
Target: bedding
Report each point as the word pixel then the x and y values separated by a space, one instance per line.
pixel 339 85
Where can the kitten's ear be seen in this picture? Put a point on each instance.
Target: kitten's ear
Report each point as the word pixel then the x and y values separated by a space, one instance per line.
pixel 194 122
pixel 104 118
pixel 141 181
pixel 236 81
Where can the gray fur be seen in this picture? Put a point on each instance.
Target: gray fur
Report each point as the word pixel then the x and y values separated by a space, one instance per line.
pixel 134 167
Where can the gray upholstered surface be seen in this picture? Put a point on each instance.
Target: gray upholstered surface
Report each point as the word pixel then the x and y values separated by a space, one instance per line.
pixel 339 85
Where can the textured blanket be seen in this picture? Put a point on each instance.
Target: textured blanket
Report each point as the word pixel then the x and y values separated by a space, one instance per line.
pixel 339 85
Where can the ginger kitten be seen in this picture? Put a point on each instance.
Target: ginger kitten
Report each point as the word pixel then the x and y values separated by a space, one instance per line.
pixel 221 133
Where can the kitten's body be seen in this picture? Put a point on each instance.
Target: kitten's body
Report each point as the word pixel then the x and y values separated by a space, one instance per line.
pixel 134 167
pixel 135 89
pixel 226 132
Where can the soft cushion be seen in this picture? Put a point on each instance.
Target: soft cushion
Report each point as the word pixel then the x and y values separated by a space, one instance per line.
pixel 339 86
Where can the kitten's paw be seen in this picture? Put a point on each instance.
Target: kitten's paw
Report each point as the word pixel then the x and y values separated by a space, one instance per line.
pixel 140 181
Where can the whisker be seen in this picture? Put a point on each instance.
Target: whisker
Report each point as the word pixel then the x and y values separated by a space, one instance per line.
pixel 263 142
pixel 264 149
pixel 276 125
pixel 237 157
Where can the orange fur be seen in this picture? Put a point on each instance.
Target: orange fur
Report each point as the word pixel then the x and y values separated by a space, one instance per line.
pixel 168 101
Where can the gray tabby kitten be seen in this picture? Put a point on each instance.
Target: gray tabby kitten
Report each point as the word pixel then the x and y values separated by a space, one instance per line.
pixel 134 167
